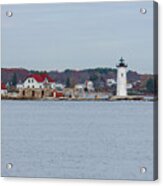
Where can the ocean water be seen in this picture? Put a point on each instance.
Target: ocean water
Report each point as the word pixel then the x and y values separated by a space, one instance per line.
pixel 70 139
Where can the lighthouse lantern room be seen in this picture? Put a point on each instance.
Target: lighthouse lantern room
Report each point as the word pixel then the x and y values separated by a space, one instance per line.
pixel 121 78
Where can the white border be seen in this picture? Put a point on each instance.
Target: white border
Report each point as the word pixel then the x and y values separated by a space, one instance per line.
pixel 70 182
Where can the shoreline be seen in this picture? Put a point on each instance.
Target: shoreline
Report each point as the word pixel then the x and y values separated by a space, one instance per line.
pixel 110 99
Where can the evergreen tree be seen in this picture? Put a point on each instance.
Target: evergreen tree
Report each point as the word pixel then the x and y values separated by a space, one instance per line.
pixel 14 79
pixel 150 86
pixel 68 82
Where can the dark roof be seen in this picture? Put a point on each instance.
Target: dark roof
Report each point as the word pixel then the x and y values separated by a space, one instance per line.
pixel 122 64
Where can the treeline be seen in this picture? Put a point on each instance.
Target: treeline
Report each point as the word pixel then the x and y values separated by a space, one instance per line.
pixel 99 76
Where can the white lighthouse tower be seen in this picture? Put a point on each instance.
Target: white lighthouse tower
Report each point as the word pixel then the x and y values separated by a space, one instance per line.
pixel 121 78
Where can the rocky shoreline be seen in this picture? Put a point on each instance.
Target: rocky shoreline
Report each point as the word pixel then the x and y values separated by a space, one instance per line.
pixel 111 98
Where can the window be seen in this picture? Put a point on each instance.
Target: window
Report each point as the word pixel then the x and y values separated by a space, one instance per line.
pixel 33 86
pixel 121 74
pixel 28 80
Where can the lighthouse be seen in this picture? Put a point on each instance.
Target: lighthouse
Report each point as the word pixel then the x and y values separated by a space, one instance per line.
pixel 121 78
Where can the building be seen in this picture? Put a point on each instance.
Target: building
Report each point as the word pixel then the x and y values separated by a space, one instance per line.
pixel 19 85
pixel 58 94
pixel 68 93
pixel 79 87
pixel 121 78
pixel 3 89
pixel 35 93
pixel 79 90
pixel 129 86
pixel 110 82
pixel 89 86
pixel 40 81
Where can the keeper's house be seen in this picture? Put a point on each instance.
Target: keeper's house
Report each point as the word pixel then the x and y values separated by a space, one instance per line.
pixel 37 86
pixel 40 81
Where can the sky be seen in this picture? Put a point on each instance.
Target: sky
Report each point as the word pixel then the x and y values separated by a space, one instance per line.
pixel 78 36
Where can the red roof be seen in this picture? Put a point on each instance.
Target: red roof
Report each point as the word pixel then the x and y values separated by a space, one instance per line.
pixel 41 78
pixel 3 86
pixel 44 76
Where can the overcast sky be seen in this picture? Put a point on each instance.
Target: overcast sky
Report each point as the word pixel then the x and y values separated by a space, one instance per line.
pixel 78 36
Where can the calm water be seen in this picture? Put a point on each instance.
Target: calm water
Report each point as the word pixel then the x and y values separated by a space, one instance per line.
pixel 104 140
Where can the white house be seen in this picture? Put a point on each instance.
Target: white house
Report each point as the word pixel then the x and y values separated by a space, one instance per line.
pixel 19 85
pixel 129 86
pixel 79 87
pixel 79 90
pixel 39 81
pixel 121 78
pixel 110 82
pixel 3 89
pixel 89 85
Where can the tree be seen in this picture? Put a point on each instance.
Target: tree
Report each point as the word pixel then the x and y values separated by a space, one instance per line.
pixel 93 77
pixel 150 85
pixel 68 82
pixel 14 79
pixel 72 82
